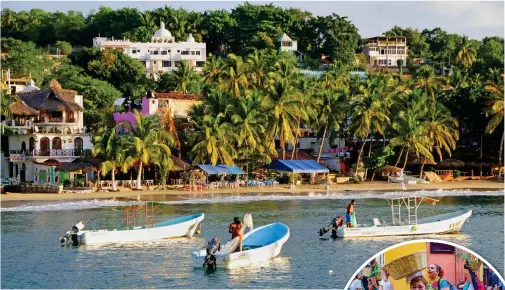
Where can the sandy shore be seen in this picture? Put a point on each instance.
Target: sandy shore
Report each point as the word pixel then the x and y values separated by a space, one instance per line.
pixel 365 187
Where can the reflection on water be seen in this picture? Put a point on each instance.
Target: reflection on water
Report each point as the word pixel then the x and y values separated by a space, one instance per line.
pixel 33 258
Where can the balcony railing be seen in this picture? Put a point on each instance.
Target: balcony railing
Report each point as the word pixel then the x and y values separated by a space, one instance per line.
pixel 56 120
pixel 51 152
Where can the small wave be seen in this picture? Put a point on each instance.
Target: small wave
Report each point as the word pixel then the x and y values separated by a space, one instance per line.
pixel 65 205
pixel 333 196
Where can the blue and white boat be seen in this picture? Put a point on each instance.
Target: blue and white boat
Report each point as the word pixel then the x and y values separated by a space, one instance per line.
pixel 179 227
pixel 258 245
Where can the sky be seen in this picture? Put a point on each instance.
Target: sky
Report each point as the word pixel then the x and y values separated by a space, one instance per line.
pixel 472 18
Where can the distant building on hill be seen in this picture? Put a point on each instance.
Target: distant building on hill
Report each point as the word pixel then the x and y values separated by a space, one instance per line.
pixel 285 43
pixel 162 54
pixel 383 51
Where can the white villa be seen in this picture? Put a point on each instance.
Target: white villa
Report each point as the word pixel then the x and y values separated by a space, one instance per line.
pixel 285 43
pixel 48 131
pixel 162 54
pixel 382 51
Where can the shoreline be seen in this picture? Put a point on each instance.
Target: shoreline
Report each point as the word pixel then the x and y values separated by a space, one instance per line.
pixel 377 186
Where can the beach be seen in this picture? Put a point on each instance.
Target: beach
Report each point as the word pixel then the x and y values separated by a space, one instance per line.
pixel 485 185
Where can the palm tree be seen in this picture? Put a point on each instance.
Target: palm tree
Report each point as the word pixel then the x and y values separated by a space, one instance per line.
pixel 147 21
pixel 213 139
pixel 368 110
pixel 441 129
pixel 112 148
pixel 234 76
pixel 257 68
pixel 308 104
pixel 168 123
pixel 467 53
pixel 428 82
pixel 184 75
pixel 212 70
pixel 332 114
pixel 148 139
pixel 165 163
pixel 495 109
pixel 411 130
pixel 282 105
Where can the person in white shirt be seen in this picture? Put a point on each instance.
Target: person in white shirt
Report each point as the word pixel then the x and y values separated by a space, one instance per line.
pixel 357 284
pixel 385 283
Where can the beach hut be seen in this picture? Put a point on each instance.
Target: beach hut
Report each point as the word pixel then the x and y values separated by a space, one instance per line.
pixel 298 166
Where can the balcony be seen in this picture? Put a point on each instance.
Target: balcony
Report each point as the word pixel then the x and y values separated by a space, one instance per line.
pixel 57 120
pixel 51 152
pixel 159 56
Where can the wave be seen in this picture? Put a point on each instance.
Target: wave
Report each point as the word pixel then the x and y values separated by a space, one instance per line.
pixel 72 205
pixel 92 204
pixel 332 196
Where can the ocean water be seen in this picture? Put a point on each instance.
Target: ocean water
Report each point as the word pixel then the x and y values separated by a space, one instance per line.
pixel 33 258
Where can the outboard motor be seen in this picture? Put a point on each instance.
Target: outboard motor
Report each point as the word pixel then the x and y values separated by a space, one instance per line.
pixel 333 226
pixel 213 246
pixel 73 234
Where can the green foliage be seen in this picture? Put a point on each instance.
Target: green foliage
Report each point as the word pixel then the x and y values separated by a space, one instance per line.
pixel 24 58
pixel 379 158
pixel 64 47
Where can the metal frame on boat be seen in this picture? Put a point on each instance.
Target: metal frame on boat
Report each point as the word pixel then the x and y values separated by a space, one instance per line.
pixel 440 224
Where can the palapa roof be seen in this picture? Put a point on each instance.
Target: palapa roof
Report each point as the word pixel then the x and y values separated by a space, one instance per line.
pixel 299 155
pixel 56 99
pixel 178 96
pixel 181 165
pixel 20 108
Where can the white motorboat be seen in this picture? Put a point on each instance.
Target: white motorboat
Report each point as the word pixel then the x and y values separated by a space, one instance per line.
pixel 406 179
pixel 258 245
pixel 409 224
pixel 185 226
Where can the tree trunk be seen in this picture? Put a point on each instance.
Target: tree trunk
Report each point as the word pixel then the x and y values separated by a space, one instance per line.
pixel 406 158
pixel 360 154
pixel 296 139
pixel 370 147
pixel 283 145
pixel 481 142
pixel 400 156
pixel 373 175
pixel 499 157
pixel 422 167
pixel 139 177
pixel 114 188
pixel 322 143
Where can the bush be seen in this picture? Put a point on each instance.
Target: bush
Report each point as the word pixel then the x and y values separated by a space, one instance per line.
pixel 355 179
pixel 457 173
pixel 66 183
pixel 283 179
pixel 64 47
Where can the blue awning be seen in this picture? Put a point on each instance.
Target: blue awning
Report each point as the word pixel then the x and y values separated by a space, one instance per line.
pixel 298 166
pixel 220 169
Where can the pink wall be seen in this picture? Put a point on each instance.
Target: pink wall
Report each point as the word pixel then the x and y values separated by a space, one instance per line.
pixel 454 271
pixel 130 116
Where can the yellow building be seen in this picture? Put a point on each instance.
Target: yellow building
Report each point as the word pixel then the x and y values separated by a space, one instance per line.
pixel 399 252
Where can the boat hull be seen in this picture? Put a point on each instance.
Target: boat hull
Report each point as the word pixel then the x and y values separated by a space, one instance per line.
pixel 185 228
pixel 442 224
pixel 246 257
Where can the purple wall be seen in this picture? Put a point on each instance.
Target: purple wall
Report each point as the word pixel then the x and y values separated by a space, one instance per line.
pixel 130 116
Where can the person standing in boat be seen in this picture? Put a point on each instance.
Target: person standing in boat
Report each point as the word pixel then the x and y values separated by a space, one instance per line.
pixel 235 231
pixel 349 215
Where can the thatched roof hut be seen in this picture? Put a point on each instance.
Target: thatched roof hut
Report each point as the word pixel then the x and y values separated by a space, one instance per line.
pixel 76 166
pixel 181 165
pixel 21 109
pixel 388 169
pixel 450 163
pixel 56 99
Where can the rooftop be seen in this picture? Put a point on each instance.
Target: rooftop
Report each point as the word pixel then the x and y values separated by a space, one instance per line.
pixel 178 96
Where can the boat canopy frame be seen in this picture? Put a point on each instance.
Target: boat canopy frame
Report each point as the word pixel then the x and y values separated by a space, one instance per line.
pixel 148 209
pixel 412 203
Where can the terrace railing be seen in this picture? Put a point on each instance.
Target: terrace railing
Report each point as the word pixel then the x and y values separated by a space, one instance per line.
pixel 51 152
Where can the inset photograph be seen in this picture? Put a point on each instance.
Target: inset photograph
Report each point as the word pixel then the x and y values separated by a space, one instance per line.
pixel 426 265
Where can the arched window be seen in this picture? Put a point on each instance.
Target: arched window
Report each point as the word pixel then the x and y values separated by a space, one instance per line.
pixel 32 144
pixel 23 146
pixel 56 143
pixel 44 146
pixel 78 146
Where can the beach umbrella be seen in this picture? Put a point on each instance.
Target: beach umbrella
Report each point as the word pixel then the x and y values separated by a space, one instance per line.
pixel 422 161
pixel 388 168
pixel 450 163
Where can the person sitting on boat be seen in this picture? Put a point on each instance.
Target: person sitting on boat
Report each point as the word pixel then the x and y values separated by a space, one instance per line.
pixel 437 282
pixel 349 213
pixel 235 231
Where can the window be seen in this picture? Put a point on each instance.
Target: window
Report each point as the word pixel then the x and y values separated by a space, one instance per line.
pixel 56 143
pixel 31 144
pixel 134 51
pixel 164 52
pixel 154 62
pixel 169 51
pixel 178 51
pixel 389 62
pixel 185 52
pixel 200 63
pixel 197 52
pixel 167 64
pixel 78 146
pixel 176 63
pixel 286 43
pixel 144 63
pixel 155 52
pixel 193 52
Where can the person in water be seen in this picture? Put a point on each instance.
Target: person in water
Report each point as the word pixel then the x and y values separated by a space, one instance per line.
pixel 437 282
pixel 235 231
pixel 349 213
